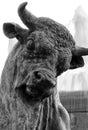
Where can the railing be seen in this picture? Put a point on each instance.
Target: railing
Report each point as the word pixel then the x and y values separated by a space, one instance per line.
pixel 76 101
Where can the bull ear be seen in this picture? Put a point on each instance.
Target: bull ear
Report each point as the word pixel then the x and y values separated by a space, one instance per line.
pixel 76 62
pixel 12 30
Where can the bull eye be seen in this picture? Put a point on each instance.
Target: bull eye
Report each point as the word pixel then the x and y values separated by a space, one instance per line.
pixel 30 45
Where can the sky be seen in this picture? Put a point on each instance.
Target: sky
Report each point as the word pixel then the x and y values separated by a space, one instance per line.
pixel 61 11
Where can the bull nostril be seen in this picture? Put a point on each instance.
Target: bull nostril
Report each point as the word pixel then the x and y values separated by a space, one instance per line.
pixel 38 75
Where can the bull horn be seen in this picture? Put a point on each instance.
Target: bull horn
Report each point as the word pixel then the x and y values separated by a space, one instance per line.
pixel 80 51
pixel 27 18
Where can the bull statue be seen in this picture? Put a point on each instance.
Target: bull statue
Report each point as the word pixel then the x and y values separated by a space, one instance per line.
pixel 29 99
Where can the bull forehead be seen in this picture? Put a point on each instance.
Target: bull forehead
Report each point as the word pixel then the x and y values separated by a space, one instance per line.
pixel 41 37
pixel 37 52
pixel 39 46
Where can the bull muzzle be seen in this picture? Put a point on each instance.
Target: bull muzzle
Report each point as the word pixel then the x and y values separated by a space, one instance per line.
pixel 38 84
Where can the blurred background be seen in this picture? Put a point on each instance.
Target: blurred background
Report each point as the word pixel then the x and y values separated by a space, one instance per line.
pixel 72 13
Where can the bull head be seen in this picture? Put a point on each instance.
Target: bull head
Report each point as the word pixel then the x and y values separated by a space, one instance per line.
pixel 43 52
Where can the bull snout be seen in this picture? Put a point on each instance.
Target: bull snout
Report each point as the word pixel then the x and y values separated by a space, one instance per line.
pixel 43 78
pixel 37 85
pixel 34 78
pixel 40 82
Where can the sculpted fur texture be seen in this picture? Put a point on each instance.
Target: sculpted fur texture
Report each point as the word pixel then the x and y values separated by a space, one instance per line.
pixel 28 94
